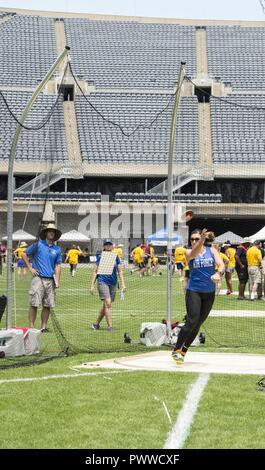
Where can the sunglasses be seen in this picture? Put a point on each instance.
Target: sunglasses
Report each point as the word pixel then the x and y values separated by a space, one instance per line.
pixel 195 239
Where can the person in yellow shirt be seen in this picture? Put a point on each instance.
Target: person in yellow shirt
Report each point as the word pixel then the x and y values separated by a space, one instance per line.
pixel 263 272
pixel 118 251
pixel 138 259
pixel 230 266
pixel 254 259
pixel 132 257
pixel 225 260
pixel 72 259
pixel 180 260
pixel 22 268
pixel 155 266
pixel 149 253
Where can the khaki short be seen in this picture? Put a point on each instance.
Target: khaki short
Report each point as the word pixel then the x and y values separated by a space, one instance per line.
pixel 106 292
pixel 42 292
pixel 254 274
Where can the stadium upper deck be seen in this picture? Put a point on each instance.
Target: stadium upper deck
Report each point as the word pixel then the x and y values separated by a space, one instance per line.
pixel 130 67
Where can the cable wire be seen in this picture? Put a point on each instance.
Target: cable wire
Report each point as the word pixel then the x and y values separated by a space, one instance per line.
pixel 262 4
pixel 219 98
pixel 46 118
pixel 143 126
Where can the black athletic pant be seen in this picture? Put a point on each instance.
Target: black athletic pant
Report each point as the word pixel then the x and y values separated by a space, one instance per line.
pixel 198 305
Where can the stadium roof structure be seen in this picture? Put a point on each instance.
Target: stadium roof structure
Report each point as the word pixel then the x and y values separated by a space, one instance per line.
pixel 231 236
pixel 160 238
pixel 21 235
pixel 74 236
pixel 260 235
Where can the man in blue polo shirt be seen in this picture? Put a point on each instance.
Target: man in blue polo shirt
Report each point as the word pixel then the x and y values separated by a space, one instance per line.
pixel 46 261
pixel 107 285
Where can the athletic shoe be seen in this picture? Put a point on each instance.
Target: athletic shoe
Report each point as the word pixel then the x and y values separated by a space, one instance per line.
pixel 110 329
pixel 44 330
pixel 95 326
pixel 229 292
pixel 241 298
pixel 178 357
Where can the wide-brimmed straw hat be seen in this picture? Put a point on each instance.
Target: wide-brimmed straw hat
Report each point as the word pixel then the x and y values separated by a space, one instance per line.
pixel 50 226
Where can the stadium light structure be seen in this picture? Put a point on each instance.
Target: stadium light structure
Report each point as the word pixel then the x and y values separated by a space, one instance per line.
pixel 170 217
pixel 10 188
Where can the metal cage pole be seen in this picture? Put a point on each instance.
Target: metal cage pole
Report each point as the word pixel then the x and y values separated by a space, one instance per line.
pixel 10 184
pixel 170 215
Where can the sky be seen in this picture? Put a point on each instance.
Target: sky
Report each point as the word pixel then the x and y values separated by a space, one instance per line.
pixel 190 9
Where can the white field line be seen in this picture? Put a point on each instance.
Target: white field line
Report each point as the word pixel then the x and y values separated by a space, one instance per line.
pixel 238 313
pixel 85 311
pixel 165 408
pixel 167 412
pixel 61 376
pixel 178 435
pixel 131 313
pixel 62 291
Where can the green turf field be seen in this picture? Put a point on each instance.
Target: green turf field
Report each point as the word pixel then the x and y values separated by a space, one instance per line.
pixel 240 324
pixel 124 410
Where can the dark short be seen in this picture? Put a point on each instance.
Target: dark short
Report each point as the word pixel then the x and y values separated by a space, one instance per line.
pixel 21 264
pixel 179 266
pixel 242 275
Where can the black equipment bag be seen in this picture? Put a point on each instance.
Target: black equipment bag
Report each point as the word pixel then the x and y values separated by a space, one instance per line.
pixel 3 301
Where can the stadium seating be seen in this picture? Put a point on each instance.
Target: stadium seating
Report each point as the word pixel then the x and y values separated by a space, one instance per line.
pixel 159 197
pixel 120 54
pixel 28 49
pixel 47 144
pixel 134 67
pixel 101 142
pixel 238 133
pixel 236 54
pixel 60 196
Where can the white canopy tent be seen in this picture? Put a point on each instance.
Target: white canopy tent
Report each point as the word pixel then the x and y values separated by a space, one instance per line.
pixel 73 236
pixel 260 235
pixel 21 235
pixel 231 236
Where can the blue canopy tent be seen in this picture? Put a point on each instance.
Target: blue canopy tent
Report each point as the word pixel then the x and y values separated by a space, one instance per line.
pixel 160 238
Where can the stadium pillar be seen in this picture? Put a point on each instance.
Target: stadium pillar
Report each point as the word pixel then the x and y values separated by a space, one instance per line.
pixel 10 184
pixel 170 211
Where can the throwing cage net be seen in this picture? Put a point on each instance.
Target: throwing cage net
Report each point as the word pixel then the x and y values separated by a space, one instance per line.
pixel 116 188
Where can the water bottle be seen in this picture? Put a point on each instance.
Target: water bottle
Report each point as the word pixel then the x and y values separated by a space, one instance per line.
pixel 122 295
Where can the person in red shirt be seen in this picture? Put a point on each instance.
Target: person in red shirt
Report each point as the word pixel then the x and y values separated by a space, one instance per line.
pixel 2 255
